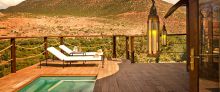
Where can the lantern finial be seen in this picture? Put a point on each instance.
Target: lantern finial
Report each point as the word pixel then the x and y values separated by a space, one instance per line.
pixel 153 10
pixel 164 26
pixel 153 1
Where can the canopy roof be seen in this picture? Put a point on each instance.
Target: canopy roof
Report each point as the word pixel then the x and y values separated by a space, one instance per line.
pixel 185 2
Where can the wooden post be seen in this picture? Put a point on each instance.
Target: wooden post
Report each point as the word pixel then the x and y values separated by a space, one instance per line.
pixel 61 42
pixel 187 40
pixel 219 51
pixel 127 47
pixel 13 56
pixel 132 49
pixel 114 46
pixel 193 24
pixel 202 34
pixel 45 49
pixel 210 35
pixel 219 61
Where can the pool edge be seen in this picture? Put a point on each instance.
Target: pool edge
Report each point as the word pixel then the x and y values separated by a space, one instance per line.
pixel 52 75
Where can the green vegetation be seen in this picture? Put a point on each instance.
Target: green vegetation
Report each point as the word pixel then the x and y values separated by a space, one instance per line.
pixel 175 51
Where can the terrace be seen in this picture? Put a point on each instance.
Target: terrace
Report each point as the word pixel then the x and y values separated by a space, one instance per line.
pixel 117 73
pixel 114 77
pixel 126 67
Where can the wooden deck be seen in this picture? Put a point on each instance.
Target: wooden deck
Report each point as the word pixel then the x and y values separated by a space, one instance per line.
pixel 114 77
pixel 146 78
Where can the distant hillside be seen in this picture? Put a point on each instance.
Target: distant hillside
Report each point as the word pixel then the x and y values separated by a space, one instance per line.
pixel 86 7
pixel 88 17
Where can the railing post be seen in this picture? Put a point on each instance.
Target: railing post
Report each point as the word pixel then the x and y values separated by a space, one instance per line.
pixel 13 56
pixel 61 42
pixel 127 47
pixel 210 36
pixel 219 50
pixel 132 49
pixel 114 46
pixel 187 40
pixel 45 49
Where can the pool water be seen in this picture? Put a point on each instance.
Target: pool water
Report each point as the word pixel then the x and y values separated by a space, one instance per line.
pixel 61 84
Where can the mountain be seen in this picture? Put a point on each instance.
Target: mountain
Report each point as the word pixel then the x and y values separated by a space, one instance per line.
pixel 86 7
pixel 87 17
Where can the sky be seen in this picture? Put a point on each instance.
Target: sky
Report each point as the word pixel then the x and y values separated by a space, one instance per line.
pixel 171 1
pixel 6 3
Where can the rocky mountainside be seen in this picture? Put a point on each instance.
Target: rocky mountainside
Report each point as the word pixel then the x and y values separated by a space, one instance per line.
pixel 87 7
pixel 100 16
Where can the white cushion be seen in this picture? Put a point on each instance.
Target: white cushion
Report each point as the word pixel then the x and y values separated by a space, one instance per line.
pixel 69 51
pixel 61 56
pixel 56 53
pixel 83 58
pixel 66 49
pixel 93 53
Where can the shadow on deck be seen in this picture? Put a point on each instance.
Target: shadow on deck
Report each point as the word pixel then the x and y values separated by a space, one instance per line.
pixel 145 78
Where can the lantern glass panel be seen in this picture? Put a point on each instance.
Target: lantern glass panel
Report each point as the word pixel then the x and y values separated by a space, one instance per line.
pixel 153 43
pixel 164 36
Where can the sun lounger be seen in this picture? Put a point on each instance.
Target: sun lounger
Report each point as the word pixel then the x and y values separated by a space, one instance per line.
pixel 70 52
pixel 70 59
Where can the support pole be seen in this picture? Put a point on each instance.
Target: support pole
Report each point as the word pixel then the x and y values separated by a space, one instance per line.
pixel 187 40
pixel 127 47
pixel 210 36
pixel 193 24
pixel 62 42
pixel 132 49
pixel 219 62
pixel 114 46
pixel 45 49
pixel 13 56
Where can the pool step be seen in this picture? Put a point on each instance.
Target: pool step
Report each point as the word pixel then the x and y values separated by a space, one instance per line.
pixel 61 81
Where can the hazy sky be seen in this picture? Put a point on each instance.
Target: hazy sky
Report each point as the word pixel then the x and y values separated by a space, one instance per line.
pixel 6 3
pixel 172 1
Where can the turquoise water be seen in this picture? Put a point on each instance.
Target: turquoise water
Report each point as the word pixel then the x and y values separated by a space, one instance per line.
pixel 61 84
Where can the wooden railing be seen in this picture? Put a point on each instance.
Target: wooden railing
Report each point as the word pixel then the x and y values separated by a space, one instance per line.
pixel 129 46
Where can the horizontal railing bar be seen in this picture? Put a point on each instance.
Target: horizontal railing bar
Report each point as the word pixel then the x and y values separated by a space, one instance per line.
pixel 212 35
pixel 146 35
pixel 209 54
pixel 165 52
pixel 175 34
pixel 173 52
pixel 178 43
pixel 8 37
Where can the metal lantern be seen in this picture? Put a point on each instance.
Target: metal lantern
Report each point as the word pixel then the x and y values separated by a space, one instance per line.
pixel 164 36
pixel 153 31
